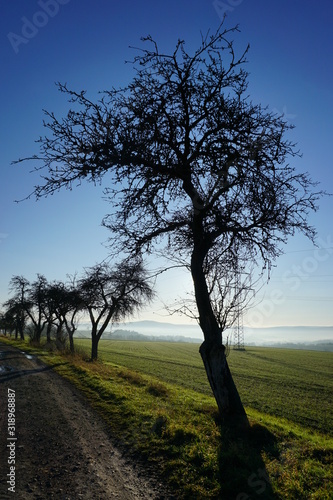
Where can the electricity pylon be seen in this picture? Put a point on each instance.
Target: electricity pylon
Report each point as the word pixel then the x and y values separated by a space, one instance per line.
pixel 238 328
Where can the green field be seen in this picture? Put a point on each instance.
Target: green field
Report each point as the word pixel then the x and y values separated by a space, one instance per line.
pixel 295 385
pixel 157 404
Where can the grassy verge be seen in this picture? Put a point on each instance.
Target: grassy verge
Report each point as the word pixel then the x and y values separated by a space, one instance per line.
pixel 177 430
pixel 297 385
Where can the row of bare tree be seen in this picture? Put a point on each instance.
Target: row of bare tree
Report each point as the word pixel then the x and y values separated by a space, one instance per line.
pixel 105 292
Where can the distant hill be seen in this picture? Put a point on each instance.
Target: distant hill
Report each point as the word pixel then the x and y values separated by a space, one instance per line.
pixel 320 345
pixel 132 335
pixel 291 337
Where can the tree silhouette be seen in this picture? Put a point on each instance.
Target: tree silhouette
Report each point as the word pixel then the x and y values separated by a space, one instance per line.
pixel 191 164
pixel 13 319
pixel 18 306
pixel 110 293
pixel 62 305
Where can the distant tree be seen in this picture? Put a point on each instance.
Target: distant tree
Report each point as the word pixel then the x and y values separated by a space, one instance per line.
pixel 110 293
pixel 51 307
pixel 8 322
pixel 193 163
pixel 18 305
pixel 3 328
pixel 36 306
pixel 13 319
pixel 48 309
pixel 72 306
pixel 65 303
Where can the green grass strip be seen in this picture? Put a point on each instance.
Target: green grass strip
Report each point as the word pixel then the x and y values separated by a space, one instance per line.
pixel 178 430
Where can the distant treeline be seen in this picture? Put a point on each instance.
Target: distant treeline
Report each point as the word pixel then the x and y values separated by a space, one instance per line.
pixel 309 346
pixel 132 335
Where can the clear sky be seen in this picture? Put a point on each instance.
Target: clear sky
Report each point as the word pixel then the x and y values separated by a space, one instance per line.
pixel 85 44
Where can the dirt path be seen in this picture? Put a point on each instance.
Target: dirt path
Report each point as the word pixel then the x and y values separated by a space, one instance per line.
pixel 62 450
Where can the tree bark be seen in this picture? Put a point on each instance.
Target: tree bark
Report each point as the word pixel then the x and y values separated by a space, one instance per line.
pixel 37 333
pixel 71 342
pixel 94 347
pixel 48 332
pixel 213 351
pixel 224 389
pixel 96 333
pixel 22 332
pixel 70 328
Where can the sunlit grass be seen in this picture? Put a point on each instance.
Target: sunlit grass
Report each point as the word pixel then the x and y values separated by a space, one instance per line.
pixel 177 428
pixel 297 385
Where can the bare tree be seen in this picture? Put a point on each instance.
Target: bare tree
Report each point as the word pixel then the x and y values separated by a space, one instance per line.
pixel 14 318
pixel 3 323
pixel 192 163
pixel 65 302
pixel 17 307
pixel 48 308
pixel 110 293
pixel 36 306
pixel 11 319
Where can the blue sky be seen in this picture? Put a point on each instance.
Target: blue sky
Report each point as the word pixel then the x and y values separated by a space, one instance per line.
pixel 85 44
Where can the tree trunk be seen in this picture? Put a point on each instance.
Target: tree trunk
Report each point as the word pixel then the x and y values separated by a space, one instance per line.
pixel 71 342
pixel 213 351
pixel 37 336
pixel 96 333
pixel 39 333
pixel 70 328
pixel 21 330
pixel 94 346
pixel 224 389
pixel 60 338
pixel 48 332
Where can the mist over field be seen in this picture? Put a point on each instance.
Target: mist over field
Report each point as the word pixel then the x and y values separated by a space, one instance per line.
pixel 255 336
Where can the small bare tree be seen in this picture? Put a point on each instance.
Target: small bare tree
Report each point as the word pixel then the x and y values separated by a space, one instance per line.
pixel 110 293
pixel 36 306
pixel 19 305
pixel 64 303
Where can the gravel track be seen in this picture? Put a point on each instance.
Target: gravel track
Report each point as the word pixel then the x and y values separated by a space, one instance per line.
pixel 62 449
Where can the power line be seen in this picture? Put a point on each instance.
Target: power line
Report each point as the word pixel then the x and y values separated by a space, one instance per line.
pixel 313 298
pixel 317 275
pixel 309 250
pixel 328 282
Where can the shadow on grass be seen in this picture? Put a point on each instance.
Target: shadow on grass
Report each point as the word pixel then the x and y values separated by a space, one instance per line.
pixel 243 475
